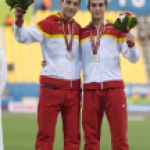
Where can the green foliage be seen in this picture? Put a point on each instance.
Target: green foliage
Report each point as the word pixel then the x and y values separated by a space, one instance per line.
pixel 20 132
pixel 10 3
pixel 6 11
pixel 21 3
pixel 125 23
pixel 140 100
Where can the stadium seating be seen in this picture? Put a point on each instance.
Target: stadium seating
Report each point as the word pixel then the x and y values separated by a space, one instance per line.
pixel 134 73
pixel 27 58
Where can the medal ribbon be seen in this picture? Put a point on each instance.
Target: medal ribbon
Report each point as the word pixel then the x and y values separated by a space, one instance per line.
pixel 68 44
pixel 99 33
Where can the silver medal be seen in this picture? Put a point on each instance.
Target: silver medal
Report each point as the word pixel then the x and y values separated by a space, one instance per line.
pixel 69 56
pixel 95 58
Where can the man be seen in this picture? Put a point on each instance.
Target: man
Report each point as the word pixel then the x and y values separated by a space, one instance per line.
pixel 59 79
pixel 101 45
pixel 3 77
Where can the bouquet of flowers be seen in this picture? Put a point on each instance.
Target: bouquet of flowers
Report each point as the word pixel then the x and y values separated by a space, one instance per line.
pixel 125 22
pixel 22 3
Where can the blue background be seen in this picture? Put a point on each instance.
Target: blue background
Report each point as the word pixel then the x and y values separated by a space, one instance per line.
pixel 114 5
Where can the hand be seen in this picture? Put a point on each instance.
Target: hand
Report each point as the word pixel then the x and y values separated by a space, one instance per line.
pixel 43 63
pixel 130 39
pixel 19 15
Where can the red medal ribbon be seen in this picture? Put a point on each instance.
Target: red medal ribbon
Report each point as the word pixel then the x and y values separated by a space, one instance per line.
pixel 68 44
pixel 99 34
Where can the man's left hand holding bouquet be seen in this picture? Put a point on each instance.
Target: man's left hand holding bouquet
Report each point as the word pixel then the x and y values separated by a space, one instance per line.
pixel 20 9
pixel 124 23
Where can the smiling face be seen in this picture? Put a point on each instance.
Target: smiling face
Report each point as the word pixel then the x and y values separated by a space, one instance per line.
pixel 69 8
pixel 97 8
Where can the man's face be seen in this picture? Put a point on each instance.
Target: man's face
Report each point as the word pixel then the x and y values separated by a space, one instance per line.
pixel 97 8
pixel 69 7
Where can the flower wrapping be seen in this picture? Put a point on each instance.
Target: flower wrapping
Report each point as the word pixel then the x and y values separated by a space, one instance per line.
pixel 125 22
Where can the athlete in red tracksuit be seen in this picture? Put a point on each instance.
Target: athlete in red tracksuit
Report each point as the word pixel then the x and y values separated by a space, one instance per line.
pixel 101 45
pixel 60 79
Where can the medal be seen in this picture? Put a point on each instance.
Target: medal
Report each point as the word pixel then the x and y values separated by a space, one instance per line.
pixel 95 58
pixel 69 54
pixel 95 46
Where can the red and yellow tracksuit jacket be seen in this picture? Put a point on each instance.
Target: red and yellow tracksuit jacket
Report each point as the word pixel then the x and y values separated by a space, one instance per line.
pixel 107 71
pixel 49 33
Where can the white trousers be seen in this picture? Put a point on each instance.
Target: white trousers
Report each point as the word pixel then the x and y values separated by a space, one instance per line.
pixel 1 133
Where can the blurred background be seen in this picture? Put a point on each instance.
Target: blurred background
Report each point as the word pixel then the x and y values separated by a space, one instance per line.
pixel 20 97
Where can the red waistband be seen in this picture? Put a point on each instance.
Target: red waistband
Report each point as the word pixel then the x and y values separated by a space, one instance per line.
pixel 61 83
pixel 105 85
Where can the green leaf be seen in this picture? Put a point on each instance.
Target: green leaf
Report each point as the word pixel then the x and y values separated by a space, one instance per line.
pixel 133 23
pixel 128 23
pixel 10 3
pixel 28 3
pixel 21 3
pixel 118 25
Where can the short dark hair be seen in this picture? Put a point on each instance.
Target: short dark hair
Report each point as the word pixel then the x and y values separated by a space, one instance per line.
pixel 88 2
pixel 79 1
